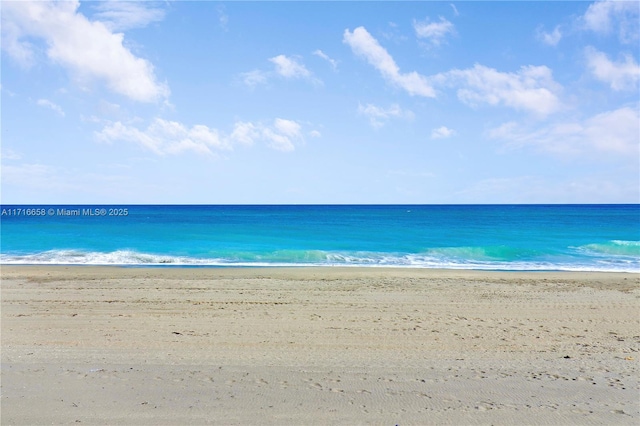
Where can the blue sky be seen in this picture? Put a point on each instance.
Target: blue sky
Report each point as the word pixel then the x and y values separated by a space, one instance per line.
pixel 320 102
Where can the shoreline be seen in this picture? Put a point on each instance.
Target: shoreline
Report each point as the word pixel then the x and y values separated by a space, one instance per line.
pixel 316 345
pixel 310 266
pixel 439 270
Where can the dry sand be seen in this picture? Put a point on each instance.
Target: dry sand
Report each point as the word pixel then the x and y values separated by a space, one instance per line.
pixel 107 345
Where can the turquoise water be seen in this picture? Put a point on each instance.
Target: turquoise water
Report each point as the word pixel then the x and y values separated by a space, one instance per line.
pixel 496 237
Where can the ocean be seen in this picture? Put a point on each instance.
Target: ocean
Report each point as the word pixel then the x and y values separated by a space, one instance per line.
pixel 488 237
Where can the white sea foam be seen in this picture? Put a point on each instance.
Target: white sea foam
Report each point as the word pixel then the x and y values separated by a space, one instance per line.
pixel 118 257
pixel 446 258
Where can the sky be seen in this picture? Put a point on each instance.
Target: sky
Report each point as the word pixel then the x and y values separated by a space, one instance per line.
pixel 180 102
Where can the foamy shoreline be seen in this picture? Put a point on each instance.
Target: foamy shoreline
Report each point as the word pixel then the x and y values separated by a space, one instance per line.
pixel 37 268
pixel 140 345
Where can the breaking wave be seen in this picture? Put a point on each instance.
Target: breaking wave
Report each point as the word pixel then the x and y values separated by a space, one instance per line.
pixel 614 247
pixel 616 256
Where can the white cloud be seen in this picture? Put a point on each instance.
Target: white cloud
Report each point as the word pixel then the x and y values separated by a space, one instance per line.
pixel 282 134
pixel 333 62
pixel 253 78
pixel 48 104
pixel 289 67
pixel 434 32
pixel 552 38
pixel 531 89
pixel 455 9
pixel 378 116
pixel 621 75
pixel 278 141
pixel 285 66
pixel 287 127
pixel 603 17
pixel 613 132
pixel 20 51
pixel 164 137
pixel 244 133
pixel 363 44
pixel 315 134
pixel 86 48
pixel 442 132
pixel 125 15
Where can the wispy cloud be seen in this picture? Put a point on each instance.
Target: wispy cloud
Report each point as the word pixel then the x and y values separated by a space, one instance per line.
pixel 72 41
pixel 21 51
pixel 244 133
pixel 223 18
pixel 542 189
pixel 321 54
pixel 282 134
pixel 125 15
pixel 61 184
pixel 9 154
pixel 433 32
pixel 39 176
pixel 442 132
pixel 622 75
pixel 289 67
pixel 254 78
pixel 378 116
pixel 532 88
pixel 363 44
pixel 605 17
pixel 164 137
pixel 552 38
pixel 52 106
pixel 613 132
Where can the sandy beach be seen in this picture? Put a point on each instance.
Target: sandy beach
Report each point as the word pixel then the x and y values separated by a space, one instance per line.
pixel 150 346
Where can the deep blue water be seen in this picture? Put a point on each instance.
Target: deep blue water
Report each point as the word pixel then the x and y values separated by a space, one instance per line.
pixel 500 237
